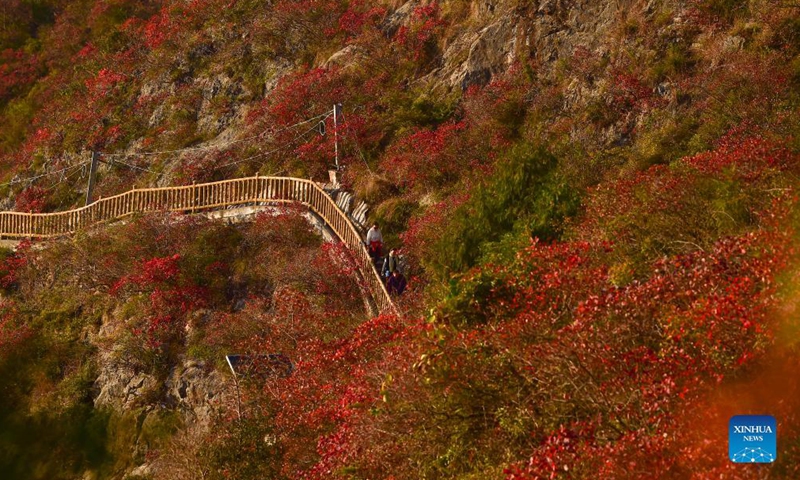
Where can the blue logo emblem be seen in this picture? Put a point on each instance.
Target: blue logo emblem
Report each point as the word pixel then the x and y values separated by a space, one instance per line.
pixel 752 439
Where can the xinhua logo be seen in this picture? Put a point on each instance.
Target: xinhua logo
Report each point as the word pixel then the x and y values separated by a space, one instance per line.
pixel 752 439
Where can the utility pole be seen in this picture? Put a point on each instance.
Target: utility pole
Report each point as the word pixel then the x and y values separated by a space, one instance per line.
pixel 337 111
pixel 92 174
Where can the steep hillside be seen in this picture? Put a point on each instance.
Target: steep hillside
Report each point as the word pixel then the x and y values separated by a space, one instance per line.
pixel 596 202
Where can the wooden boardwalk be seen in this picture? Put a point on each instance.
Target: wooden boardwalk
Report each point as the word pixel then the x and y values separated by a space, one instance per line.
pixel 204 197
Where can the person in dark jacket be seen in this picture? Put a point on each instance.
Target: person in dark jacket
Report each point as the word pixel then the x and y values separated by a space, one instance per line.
pixel 396 284
pixel 390 264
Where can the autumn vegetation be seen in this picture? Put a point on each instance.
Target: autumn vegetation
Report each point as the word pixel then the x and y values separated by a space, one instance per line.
pixel 601 246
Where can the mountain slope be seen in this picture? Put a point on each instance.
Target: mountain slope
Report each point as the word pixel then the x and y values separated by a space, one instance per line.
pixel 596 202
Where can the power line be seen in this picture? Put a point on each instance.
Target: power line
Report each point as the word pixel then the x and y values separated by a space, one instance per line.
pixel 120 162
pixel 215 146
pixel 358 146
pixel 275 150
pixel 322 117
pixel 64 178
pixel 47 174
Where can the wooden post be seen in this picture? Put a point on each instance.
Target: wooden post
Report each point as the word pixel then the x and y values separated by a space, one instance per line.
pixel 194 196
pixel 92 174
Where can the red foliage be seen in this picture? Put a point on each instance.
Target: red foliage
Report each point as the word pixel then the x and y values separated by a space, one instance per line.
pixel 32 199
pixel 678 195
pixel 17 70
pixel 651 346
pixel 157 29
pixel 750 157
pixel 11 266
pixel 427 157
pixel 171 296
pixel 419 37
pixel 359 14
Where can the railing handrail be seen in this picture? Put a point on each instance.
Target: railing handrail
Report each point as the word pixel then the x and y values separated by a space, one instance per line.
pixel 205 196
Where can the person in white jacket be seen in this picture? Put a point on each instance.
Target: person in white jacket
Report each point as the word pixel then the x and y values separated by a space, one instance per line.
pixel 374 241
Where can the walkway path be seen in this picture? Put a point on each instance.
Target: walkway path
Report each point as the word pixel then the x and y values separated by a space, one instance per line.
pixel 204 197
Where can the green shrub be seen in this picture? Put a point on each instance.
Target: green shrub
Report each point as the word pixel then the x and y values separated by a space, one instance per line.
pixel 525 198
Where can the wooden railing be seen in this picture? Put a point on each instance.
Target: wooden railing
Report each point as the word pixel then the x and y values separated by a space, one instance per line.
pixel 206 196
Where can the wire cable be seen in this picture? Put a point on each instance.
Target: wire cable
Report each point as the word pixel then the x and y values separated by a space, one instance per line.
pixel 65 178
pixel 358 146
pixel 275 150
pixel 135 167
pixel 216 146
pixel 47 174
